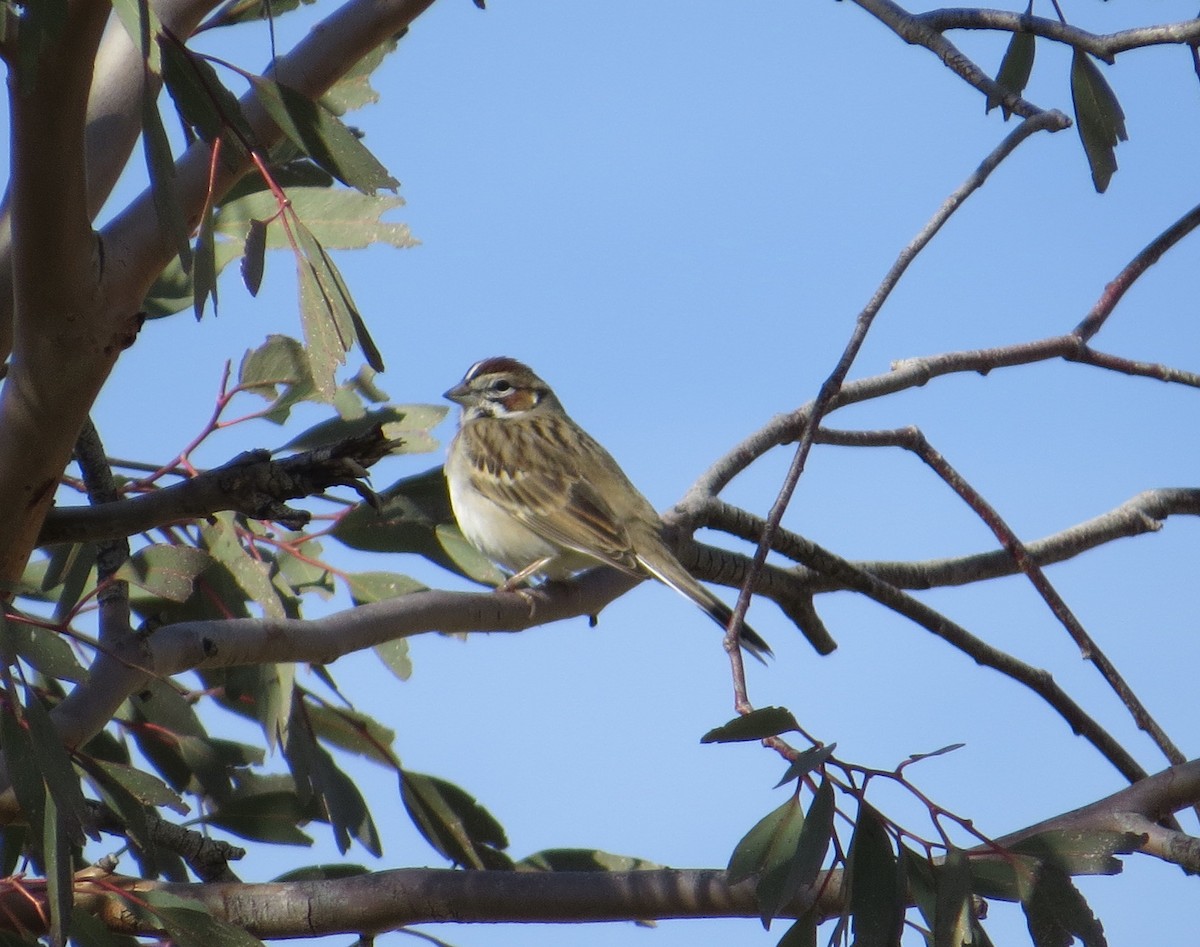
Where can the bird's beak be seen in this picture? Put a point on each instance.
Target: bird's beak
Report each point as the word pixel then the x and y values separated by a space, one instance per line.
pixel 459 394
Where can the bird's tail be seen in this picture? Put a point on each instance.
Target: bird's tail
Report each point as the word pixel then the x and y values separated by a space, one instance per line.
pixel 682 581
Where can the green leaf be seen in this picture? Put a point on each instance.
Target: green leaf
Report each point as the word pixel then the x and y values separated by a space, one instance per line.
pixel 166 571
pixel 318 133
pixel 1098 116
pixel 246 11
pixel 46 652
pixel 254 255
pixel 279 363
pixel 876 899
pixel 394 655
pixel 88 931
pixel 465 558
pixel 453 822
pixel 1016 66
pixel 812 758
pixel 585 859
pixel 1079 852
pixel 801 934
pixel 354 732
pixel 314 771
pixel 75 570
pixel 142 24
pixel 367 587
pixel 339 219
pixel 756 725
pixel 27 781
pixel 144 787
pixel 60 872
pixel 131 812
pixel 161 165
pixel 953 914
pixel 770 843
pixel 323 873
pixel 190 925
pixel 252 574
pixel 1057 913
pixel 407 422
pixel 273 817
pixel 797 872
pixel 201 99
pixel 56 768
pixel 204 265
pixel 353 90
pixel 267 692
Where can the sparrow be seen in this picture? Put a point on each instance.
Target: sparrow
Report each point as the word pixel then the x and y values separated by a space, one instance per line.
pixel 537 495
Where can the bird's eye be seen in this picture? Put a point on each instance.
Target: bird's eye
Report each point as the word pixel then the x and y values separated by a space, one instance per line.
pixel 501 386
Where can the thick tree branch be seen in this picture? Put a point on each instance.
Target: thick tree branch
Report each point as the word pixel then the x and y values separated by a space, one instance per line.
pixel 74 316
pixel 112 127
pixel 381 901
pixel 60 357
pixel 915 373
pixel 252 484
pixel 1104 45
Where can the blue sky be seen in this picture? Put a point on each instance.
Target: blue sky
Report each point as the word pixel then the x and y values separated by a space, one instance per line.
pixel 674 212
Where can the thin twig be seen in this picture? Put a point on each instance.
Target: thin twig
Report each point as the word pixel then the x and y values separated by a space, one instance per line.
pixel 1152 253
pixel 833 384
pixel 912 439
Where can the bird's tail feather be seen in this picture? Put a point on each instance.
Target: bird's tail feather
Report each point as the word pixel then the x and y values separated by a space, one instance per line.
pixel 686 585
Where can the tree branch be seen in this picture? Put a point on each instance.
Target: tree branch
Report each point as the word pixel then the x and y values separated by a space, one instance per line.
pixel 372 903
pixel 252 484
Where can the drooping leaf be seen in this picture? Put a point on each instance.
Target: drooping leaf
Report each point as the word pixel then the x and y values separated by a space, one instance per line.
pixel 453 822
pixel 354 732
pixel 56 850
pixel 204 265
pixel 273 817
pixel 321 135
pixel 165 570
pixel 341 802
pixel 1057 913
pixel 161 166
pixel 756 725
pixel 74 569
pixel 201 99
pixel 46 652
pixel 1016 66
pixel 783 881
pixel 1098 116
pixel 770 843
pixel 254 255
pixel 876 900
pixel 189 924
pixel 131 812
pixel 142 24
pixel 251 573
pixel 89 931
pixel 28 786
pixel 952 920
pixel 145 787
pixel 59 774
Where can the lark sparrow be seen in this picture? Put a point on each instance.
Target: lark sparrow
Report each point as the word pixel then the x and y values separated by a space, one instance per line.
pixel 538 496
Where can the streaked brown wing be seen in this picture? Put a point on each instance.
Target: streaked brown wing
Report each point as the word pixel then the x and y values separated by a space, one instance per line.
pixel 546 490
